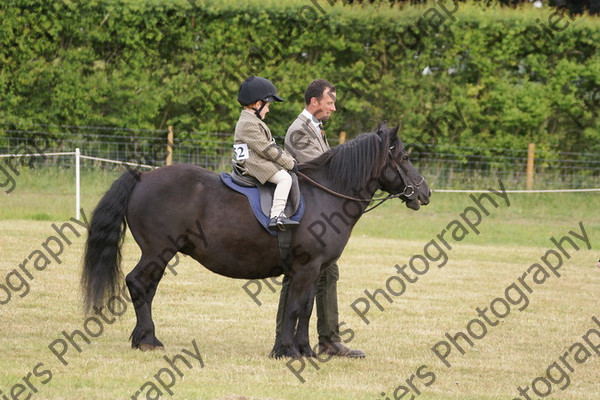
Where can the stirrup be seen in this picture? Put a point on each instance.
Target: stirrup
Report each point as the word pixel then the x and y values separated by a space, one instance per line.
pixel 282 223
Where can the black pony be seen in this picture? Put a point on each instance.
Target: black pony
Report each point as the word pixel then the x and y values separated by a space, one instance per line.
pixel 187 209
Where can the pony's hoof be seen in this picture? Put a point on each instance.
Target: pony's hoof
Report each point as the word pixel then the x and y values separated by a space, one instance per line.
pixel 284 351
pixel 306 351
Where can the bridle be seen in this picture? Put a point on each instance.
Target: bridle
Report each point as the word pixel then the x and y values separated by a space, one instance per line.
pixel 409 192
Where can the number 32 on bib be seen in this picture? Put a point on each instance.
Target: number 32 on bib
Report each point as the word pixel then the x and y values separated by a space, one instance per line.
pixel 241 151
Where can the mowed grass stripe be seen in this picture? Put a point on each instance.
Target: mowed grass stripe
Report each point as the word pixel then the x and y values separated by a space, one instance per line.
pixel 234 335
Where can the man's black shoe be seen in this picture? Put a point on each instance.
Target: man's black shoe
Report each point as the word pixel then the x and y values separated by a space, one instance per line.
pixel 340 350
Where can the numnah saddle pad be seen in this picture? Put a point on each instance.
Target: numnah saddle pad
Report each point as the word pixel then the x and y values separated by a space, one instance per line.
pixel 255 197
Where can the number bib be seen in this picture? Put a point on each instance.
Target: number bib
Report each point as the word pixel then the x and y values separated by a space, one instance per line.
pixel 241 151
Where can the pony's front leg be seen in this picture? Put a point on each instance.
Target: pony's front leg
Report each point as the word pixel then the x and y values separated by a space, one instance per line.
pixel 284 346
pixel 295 306
pixel 301 340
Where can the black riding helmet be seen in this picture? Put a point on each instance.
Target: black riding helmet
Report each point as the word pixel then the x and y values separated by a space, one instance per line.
pixel 256 88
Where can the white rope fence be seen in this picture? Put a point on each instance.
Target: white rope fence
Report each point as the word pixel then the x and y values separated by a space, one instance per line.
pixel 79 156
pixel 517 191
pixel 116 162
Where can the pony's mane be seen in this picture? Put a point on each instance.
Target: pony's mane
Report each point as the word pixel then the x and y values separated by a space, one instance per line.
pixel 353 164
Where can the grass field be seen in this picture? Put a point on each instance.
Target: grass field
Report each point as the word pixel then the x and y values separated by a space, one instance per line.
pixel 234 335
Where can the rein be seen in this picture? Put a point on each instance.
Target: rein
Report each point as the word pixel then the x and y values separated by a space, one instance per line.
pixel 343 196
pixel 408 192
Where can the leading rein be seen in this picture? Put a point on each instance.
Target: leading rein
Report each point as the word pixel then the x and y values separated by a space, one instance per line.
pixel 343 196
pixel 408 192
pixel 404 193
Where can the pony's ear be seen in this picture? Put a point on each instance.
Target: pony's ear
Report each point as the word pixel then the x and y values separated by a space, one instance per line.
pixel 382 131
pixel 394 132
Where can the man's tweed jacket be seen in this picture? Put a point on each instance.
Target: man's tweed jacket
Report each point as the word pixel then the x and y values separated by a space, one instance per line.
pixel 304 141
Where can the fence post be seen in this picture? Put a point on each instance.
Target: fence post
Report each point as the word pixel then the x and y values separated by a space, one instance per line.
pixel 342 137
pixel 530 160
pixel 77 184
pixel 170 146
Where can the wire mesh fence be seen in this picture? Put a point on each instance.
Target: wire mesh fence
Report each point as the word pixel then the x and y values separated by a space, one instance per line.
pixel 445 167
pixel 467 167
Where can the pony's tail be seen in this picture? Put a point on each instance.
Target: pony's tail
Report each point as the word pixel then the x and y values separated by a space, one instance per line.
pixel 102 259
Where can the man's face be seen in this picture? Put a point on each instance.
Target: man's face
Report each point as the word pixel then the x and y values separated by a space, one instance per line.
pixel 325 106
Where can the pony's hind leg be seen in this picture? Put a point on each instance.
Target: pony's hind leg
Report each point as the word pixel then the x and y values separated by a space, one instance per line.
pixel 142 282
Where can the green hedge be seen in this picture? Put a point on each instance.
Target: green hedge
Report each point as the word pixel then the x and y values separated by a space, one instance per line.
pixel 154 63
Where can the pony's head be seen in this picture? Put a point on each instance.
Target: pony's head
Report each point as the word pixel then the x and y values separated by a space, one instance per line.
pixel 373 161
pixel 398 175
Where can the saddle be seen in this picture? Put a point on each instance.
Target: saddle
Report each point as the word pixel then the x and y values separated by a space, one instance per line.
pixel 261 196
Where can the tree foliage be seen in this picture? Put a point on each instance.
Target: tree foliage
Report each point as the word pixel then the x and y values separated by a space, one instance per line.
pixel 516 75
